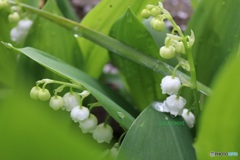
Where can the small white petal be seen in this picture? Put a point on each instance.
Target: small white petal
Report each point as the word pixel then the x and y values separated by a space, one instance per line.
pixel 161 107
pixel 188 117
pixel 175 105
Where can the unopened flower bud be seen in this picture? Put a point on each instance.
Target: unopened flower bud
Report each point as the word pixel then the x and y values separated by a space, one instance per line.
pixel 13 17
pixel 3 4
pixel 145 13
pixel 44 94
pixel 167 52
pixel 179 47
pixel 155 11
pixel 34 92
pixel 157 24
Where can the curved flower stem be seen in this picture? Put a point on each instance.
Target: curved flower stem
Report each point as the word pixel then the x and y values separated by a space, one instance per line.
pixel 194 85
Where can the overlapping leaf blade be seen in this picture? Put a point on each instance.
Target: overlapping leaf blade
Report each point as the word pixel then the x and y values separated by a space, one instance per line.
pixel 219 126
pixel 101 18
pixel 105 97
pixel 155 135
pixel 51 38
pixel 142 83
pixel 217 36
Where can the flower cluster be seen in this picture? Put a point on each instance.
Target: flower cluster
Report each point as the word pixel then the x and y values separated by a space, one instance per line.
pixel 19 32
pixel 176 46
pixel 175 42
pixel 174 104
pixel 157 22
pixel 72 102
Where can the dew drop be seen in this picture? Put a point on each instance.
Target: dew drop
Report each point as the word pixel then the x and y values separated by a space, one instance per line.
pixel 120 114
pixel 160 107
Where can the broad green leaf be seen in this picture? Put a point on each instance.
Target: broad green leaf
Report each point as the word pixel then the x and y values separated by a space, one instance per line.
pixel 31 130
pixel 52 38
pixel 115 46
pixel 105 97
pixel 217 35
pixel 101 18
pixel 7 61
pixel 142 83
pixel 155 135
pixel 219 126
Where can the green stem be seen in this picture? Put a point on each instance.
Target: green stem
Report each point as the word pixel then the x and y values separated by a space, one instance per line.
pixel 106 120
pixel 116 47
pixel 192 67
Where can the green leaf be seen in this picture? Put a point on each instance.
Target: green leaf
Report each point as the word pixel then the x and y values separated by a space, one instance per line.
pixel 101 18
pixel 7 61
pixel 217 35
pixel 219 126
pixel 142 83
pixel 155 135
pixel 116 47
pixel 52 38
pixel 105 97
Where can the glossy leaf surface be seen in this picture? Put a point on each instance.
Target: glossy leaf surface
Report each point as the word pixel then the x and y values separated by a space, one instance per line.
pixel 101 18
pixel 101 93
pixel 155 135
pixel 219 126
pixel 143 84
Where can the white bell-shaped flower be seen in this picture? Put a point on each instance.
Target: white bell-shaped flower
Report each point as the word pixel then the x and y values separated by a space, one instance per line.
pixel 17 35
pixel 25 24
pixel 79 114
pixel 88 125
pixel 170 85
pixel 103 133
pixel 188 117
pixel 56 102
pixel 175 104
pixel 71 100
pixel 19 32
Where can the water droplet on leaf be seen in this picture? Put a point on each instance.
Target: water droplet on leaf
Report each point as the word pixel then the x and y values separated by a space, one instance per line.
pixel 120 114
